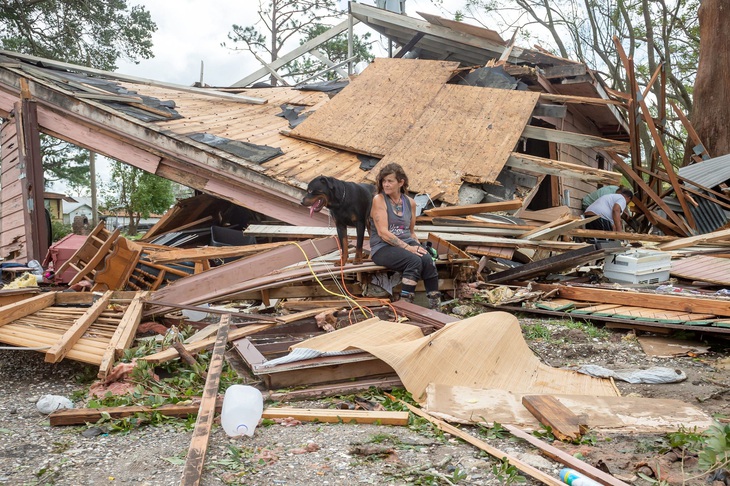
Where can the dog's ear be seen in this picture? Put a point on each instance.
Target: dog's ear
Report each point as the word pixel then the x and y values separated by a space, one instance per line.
pixel 330 184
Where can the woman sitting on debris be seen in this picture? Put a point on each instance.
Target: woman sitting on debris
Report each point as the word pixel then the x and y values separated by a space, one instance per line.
pixel 393 243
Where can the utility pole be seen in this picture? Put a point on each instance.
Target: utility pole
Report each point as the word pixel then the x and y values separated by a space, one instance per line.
pixel 92 176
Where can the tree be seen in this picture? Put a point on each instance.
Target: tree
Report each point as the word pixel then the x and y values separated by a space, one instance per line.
pixel 281 22
pixel 94 34
pixel 137 193
pixel 652 32
pixel 88 33
pixel 711 113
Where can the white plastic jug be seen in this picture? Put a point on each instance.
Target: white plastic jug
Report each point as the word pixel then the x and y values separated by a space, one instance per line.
pixel 242 409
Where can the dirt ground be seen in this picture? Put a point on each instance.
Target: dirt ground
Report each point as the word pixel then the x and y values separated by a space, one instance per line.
pixel 32 452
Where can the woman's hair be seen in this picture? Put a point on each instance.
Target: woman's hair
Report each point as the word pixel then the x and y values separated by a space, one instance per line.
pixel 396 170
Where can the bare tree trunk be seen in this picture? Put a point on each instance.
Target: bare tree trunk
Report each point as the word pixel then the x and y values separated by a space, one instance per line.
pixel 711 112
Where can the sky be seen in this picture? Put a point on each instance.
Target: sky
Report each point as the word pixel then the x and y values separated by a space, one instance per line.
pixel 191 31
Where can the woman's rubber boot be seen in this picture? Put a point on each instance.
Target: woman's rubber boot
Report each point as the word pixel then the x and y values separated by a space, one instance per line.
pixel 434 300
pixel 407 296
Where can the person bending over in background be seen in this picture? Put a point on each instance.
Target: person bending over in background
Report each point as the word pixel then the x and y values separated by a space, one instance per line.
pixel 609 208
pixel 393 243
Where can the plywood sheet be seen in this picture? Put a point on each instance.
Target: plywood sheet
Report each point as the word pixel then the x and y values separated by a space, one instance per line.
pixel 465 131
pixel 484 351
pixel 378 107
pixel 705 268
pixel 608 413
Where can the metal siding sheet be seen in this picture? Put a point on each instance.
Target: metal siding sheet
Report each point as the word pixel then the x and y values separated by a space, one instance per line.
pixel 708 173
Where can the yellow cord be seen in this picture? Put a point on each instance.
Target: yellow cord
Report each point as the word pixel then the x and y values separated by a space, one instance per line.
pixel 314 274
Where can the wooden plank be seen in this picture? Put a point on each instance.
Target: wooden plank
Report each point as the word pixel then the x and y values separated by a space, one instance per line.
pixel 559 168
pixel 619 235
pixel 550 264
pixel 336 389
pixel 123 335
pixel 328 369
pixel 545 215
pixel 636 179
pixel 78 416
pixel 210 252
pixel 232 277
pixel 195 459
pixel 574 139
pixel 565 458
pixel 703 268
pixel 560 229
pixel 171 353
pixel 720 235
pixel 26 307
pixel 474 208
pixel 297 316
pixel 70 337
pixel 493 451
pixel 697 305
pixel 550 412
pixel 335 416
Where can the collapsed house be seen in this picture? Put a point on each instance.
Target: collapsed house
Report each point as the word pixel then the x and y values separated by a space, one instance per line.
pixel 502 154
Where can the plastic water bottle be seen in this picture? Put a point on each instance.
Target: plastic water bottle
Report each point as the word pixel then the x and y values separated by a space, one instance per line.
pixel 574 478
pixel 242 409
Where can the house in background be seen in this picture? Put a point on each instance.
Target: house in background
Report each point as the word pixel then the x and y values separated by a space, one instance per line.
pixel 120 219
pixel 53 201
pixel 80 207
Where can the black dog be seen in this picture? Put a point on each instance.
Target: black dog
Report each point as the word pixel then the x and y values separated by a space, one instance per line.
pixel 349 204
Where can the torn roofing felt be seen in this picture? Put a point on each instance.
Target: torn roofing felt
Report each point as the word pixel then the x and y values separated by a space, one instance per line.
pixel 248 151
pixel 492 77
pixel 82 84
pixel 293 114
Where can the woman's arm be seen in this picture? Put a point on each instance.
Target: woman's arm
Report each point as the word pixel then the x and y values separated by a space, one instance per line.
pixel 379 213
pixel 413 219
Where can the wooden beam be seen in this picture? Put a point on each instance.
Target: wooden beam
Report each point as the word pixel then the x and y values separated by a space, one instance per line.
pixel 631 174
pixel 558 168
pixel 693 135
pixel 619 235
pixel 474 208
pixel 658 144
pixel 653 301
pixel 291 55
pixel 409 45
pixel 195 459
pixel 335 416
pixel 581 100
pixel 574 139
pixel 492 451
pixel 565 458
pixel 693 191
pixel 124 334
pixel 78 416
pixel 550 264
pixel 134 79
pixel 550 412
pixel 210 252
pixel 171 353
pixel 696 240
pixel 561 227
pixel 229 278
pixel 79 327
pixel 26 307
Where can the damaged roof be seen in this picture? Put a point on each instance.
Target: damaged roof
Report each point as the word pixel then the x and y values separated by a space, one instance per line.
pixel 235 143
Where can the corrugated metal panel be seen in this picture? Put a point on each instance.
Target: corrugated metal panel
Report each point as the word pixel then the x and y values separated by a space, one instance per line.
pixel 709 216
pixel 708 173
